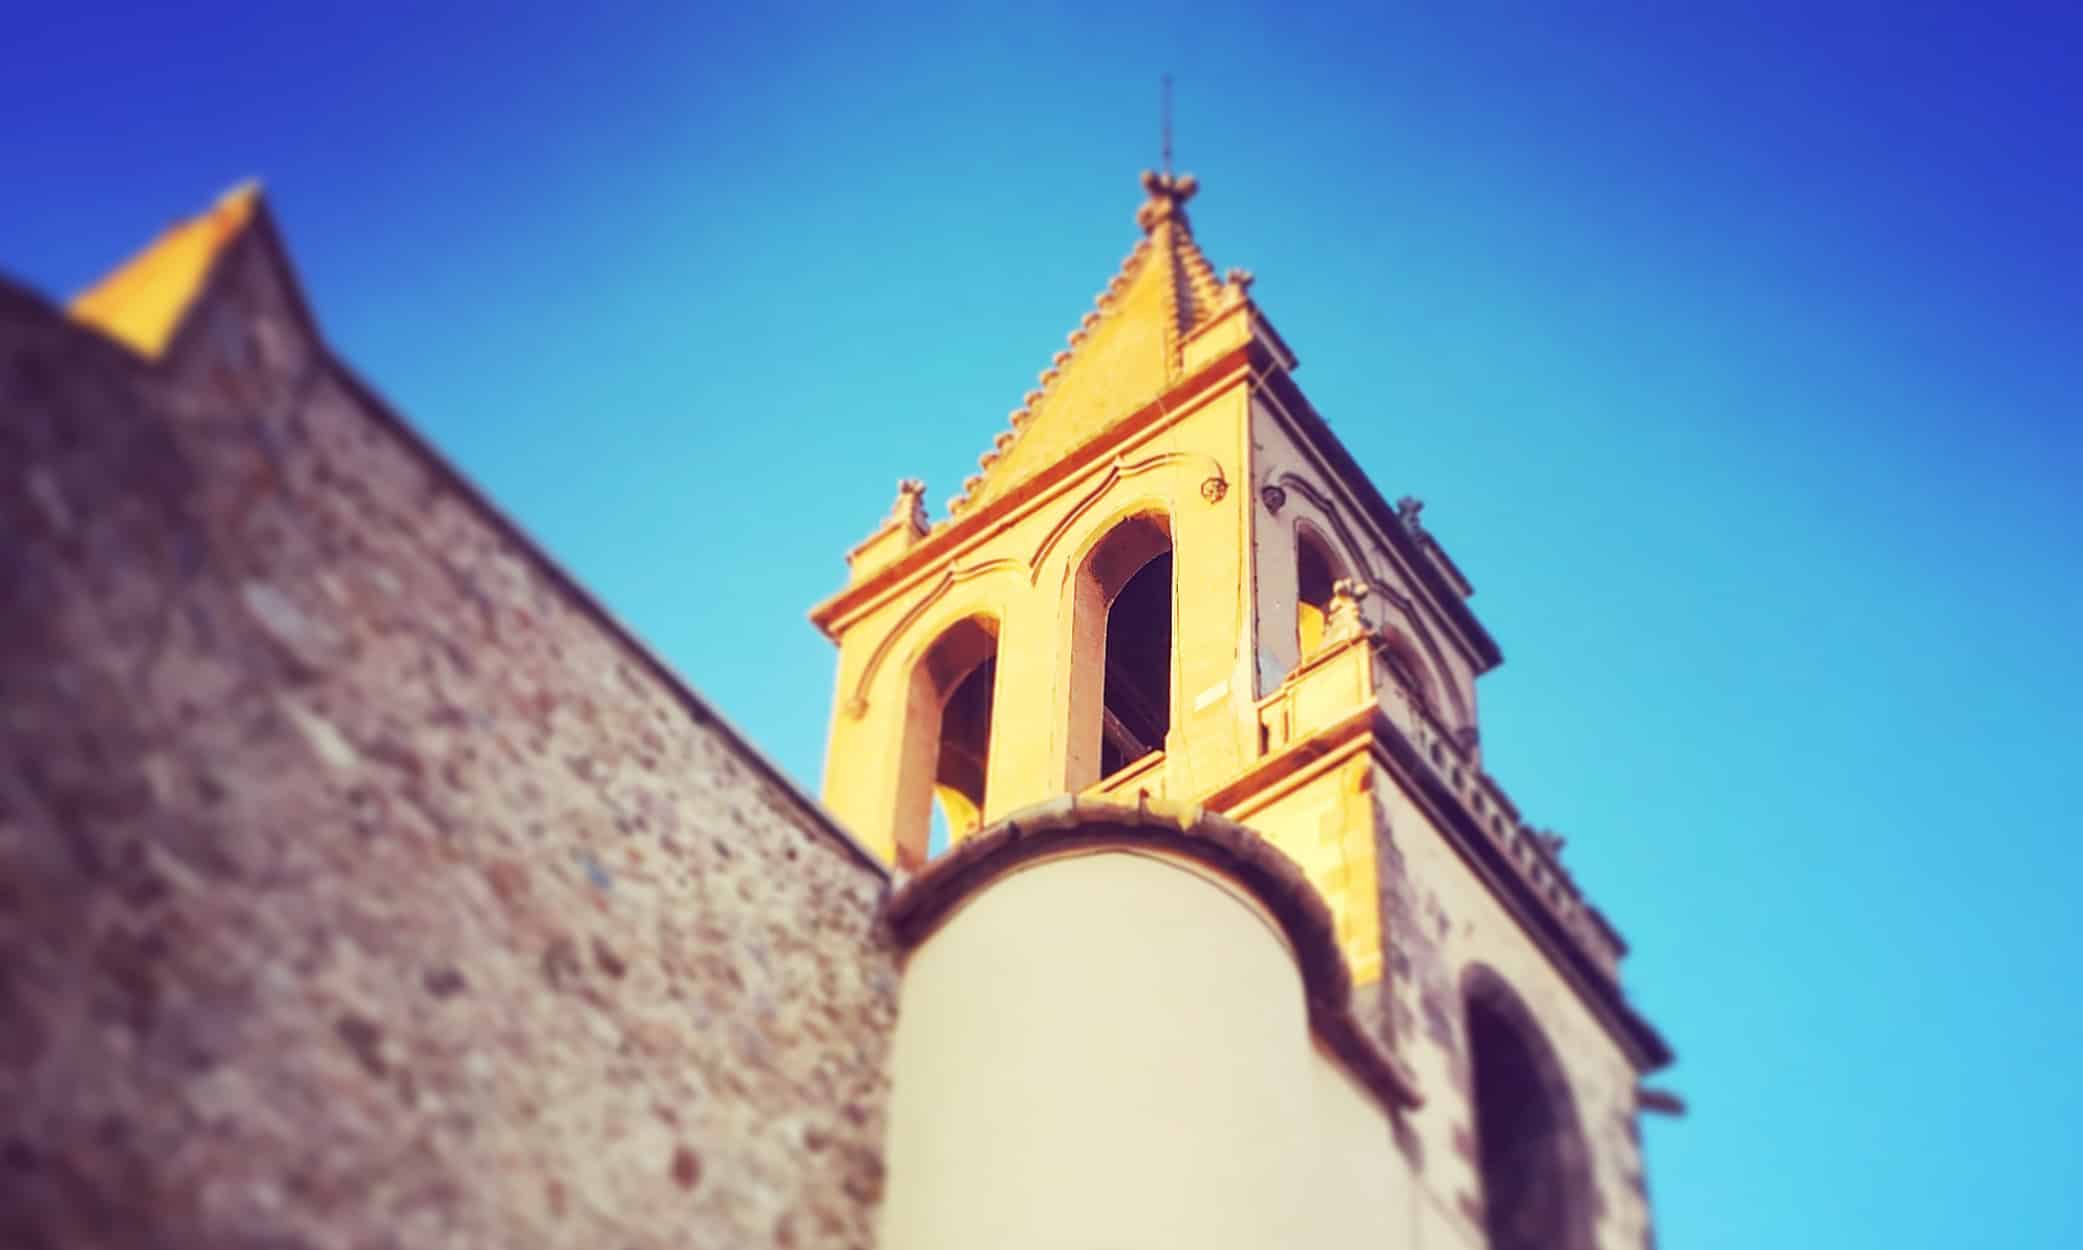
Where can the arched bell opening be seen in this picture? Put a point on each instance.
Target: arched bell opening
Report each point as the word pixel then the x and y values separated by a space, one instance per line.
pixel 1316 571
pixel 944 758
pixel 1121 650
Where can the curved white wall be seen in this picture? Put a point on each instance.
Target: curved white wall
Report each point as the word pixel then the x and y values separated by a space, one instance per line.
pixel 1110 1051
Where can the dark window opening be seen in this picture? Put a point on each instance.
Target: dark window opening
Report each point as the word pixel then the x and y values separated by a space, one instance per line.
pixel 1529 1150
pixel 965 748
pixel 1120 678
pixel 1313 578
pixel 1137 706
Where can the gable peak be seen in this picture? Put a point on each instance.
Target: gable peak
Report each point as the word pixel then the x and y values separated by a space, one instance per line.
pixel 1125 352
pixel 143 301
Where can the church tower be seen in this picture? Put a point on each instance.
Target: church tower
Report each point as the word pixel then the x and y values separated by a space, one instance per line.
pixel 1170 583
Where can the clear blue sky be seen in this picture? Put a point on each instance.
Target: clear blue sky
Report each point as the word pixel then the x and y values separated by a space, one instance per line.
pixel 1739 358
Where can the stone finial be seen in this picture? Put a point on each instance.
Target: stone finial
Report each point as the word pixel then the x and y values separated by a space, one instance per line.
pixel 1407 509
pixel 1342 621
pixel 910 507
pixel 1168 195
pixel 906 524
pixel 1236 287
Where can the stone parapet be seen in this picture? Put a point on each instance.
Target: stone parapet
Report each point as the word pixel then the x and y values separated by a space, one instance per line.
pixel 1330 686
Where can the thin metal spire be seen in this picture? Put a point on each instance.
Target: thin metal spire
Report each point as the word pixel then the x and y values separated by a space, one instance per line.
pixel 1165 110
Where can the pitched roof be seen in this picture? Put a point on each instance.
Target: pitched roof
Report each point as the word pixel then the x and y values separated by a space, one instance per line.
pixel 141 302
pixel 1123 354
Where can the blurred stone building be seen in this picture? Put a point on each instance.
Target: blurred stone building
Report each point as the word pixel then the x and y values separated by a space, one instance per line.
pixel 364 883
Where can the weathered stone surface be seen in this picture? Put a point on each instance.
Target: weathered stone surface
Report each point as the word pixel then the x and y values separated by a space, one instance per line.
pixel 360 886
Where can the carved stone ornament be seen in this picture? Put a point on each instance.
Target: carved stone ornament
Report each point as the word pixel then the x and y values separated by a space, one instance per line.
pixel 1342 622
pixel 1213 489
pixel 1273 497
pixel 1168 195
pixel 910 507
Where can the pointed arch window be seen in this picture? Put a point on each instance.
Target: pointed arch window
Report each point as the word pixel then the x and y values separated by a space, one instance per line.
pixel 1121 650
pixel 944 758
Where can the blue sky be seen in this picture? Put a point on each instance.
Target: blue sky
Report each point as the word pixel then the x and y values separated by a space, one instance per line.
pixel 1736 355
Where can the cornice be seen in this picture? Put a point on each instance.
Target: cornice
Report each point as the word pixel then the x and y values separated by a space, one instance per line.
pixel 1645 1047
pixel 1370 728
pixel 1317 433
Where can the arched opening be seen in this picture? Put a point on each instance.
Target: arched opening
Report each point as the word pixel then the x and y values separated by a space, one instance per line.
pixel 965 749
pixel 945 755
pixel 1315 572
pixel 1138 702
pixel 1121 651
pixel 1530 1148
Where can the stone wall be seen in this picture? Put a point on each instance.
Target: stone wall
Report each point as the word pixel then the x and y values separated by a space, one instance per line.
pixel 1445 925
pixel 361 883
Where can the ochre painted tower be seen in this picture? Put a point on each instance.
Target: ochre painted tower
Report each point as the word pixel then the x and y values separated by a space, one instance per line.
pixel 1170 583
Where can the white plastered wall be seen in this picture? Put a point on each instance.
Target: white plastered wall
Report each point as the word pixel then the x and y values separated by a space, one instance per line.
pixel 1111 1049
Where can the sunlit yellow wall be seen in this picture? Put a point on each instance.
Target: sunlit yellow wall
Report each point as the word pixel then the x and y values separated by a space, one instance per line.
pixel 1323 819
pixel 1020 570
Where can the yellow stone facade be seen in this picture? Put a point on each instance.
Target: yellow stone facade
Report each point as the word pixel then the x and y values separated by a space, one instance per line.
pixel 1153 413
pixel 1317 685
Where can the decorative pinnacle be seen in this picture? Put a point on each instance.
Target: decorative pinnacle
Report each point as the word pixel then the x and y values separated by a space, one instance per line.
pixel 910 507
pixel 1168 195
pixel 1407 509
pixel 1342 621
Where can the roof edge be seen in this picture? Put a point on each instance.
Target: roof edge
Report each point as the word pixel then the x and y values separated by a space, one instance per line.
pixel 1325 440
pixel 948 535
pixel 152 294
pixel 696 705
pixel 262 230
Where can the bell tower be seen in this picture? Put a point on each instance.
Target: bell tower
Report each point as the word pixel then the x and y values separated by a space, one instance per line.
pixel 1082 619
pixel 1170 582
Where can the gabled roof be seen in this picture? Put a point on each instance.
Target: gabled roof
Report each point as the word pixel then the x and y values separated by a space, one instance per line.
pixel 1125 352
pixel 142 301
